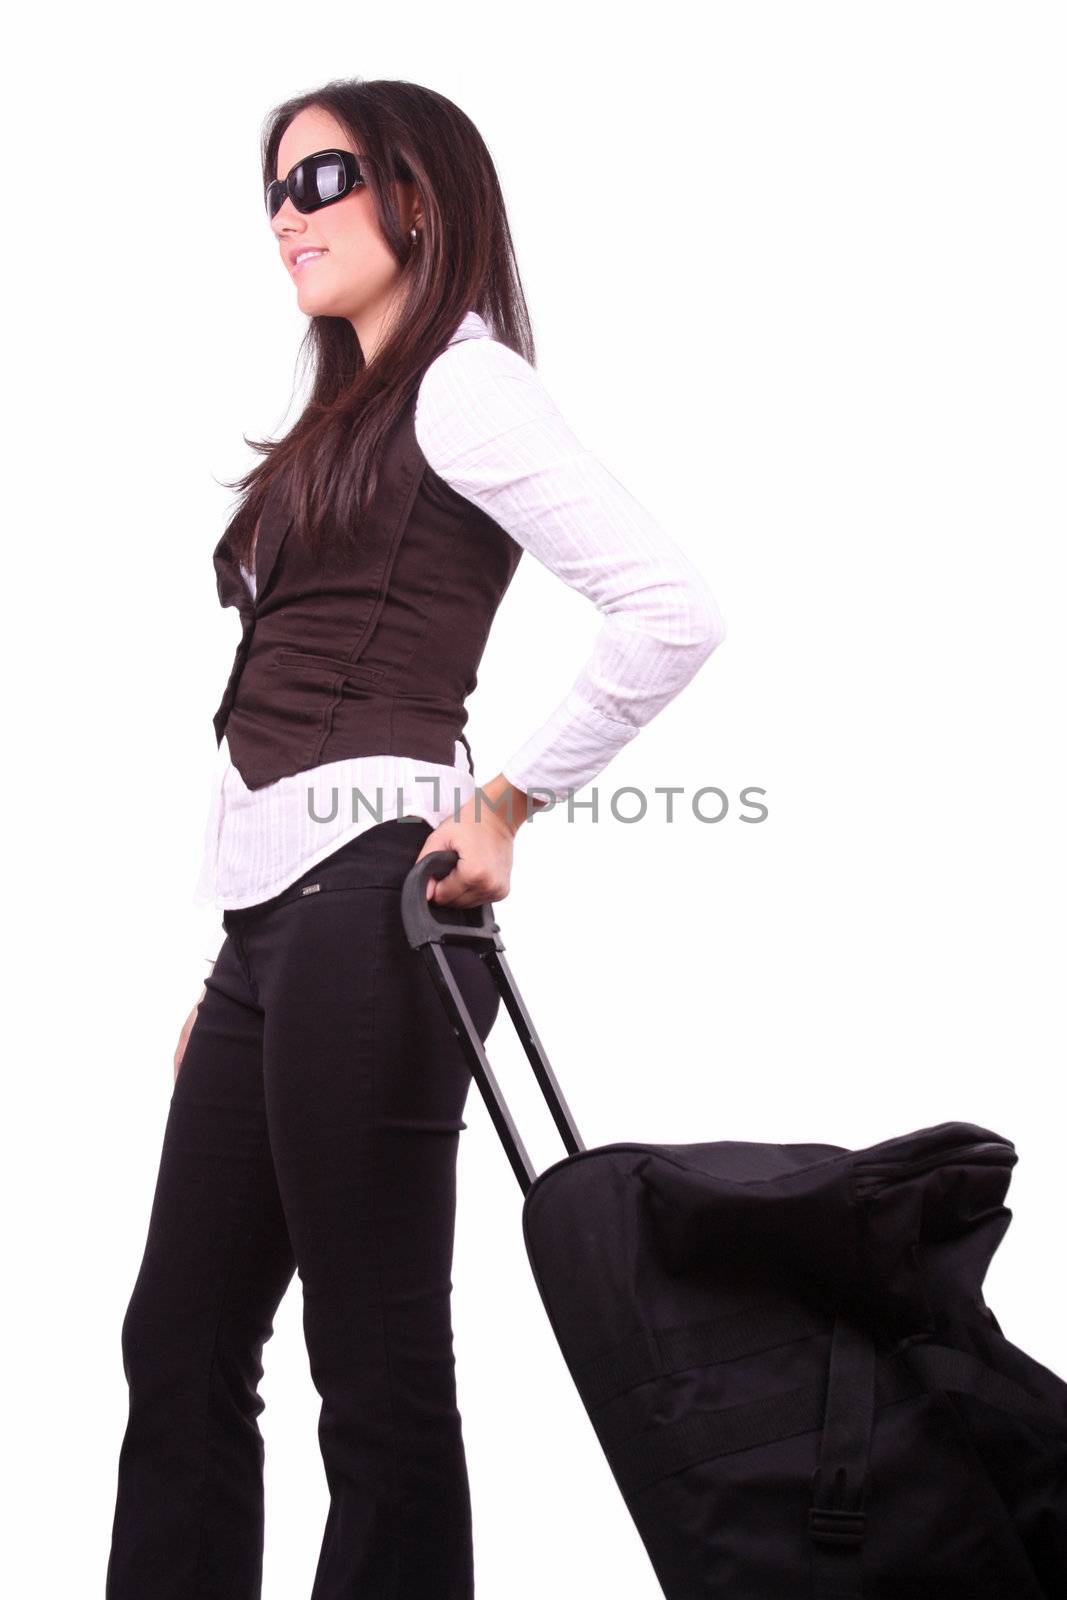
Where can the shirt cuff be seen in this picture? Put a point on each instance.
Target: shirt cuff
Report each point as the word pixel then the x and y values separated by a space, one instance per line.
pixel 567 751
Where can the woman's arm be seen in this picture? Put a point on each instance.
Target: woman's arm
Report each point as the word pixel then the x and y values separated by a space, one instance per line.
pixel 488 427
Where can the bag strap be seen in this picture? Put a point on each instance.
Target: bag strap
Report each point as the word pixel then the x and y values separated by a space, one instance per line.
pixel 837 1519
pixel 941 1367
pixel 656 1352
pixel 642 1459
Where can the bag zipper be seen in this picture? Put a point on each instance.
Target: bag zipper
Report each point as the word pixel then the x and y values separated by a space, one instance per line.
pixel 981 1153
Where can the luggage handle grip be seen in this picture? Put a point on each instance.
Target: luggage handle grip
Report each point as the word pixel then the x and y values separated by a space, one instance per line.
pixel 427 930
pixel 424 921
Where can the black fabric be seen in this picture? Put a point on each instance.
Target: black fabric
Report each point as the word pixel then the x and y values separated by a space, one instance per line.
pixel 837 1520
pixel 314 1129
pixel 787 1359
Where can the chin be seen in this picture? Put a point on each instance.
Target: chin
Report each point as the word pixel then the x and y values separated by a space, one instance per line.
pixel 315 305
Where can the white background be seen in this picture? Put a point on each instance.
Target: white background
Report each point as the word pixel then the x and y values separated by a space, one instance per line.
pixel 796 272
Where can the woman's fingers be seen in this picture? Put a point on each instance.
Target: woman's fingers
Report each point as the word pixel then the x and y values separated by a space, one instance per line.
pixel 469 885
pixel 483 871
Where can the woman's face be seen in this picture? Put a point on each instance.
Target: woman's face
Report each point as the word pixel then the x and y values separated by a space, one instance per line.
pixel 357 274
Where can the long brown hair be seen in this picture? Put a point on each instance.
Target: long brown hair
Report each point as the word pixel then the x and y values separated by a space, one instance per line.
pixel 463 260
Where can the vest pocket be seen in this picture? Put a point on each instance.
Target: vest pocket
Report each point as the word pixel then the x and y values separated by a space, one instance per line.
pixel 336 666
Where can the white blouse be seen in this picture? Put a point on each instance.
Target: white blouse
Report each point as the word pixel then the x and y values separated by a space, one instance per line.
pixel 487 426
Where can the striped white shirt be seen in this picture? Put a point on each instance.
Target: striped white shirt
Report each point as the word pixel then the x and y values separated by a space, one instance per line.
pixel 486 425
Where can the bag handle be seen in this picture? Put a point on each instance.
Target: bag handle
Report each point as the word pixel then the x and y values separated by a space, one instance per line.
pixel 428 927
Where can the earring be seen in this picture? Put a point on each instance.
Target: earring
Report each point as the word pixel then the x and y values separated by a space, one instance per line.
pixel 414 234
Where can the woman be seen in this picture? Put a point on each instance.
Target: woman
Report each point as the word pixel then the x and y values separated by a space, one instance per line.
pixel 319 1091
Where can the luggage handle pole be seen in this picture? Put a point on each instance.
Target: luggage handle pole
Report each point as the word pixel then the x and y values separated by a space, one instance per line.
pixel 427 929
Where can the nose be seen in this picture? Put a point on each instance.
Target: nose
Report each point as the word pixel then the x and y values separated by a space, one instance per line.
pixel 286 220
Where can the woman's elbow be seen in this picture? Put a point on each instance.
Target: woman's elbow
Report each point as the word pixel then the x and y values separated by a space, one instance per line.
pixel 705 627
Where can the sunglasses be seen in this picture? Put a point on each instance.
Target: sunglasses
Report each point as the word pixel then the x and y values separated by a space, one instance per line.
pixel 322 178
pixel 317 181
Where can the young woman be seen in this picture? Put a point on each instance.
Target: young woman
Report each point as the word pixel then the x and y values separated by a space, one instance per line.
pixel 319 1091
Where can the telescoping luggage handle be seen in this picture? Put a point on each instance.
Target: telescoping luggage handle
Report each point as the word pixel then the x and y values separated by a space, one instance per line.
pixel 428 927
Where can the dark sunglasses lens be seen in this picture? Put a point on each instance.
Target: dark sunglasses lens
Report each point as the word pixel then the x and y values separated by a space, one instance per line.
pixel 329 179
pixel 317 181
pixel 313 182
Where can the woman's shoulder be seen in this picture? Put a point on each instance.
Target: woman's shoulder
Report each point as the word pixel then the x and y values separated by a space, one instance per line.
pixel 478 375
pixel 476 355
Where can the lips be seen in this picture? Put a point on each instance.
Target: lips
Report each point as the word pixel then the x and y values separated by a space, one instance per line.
pixel 300 257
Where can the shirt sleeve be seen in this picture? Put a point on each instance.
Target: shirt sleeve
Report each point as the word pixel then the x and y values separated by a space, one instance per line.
pixel 489 428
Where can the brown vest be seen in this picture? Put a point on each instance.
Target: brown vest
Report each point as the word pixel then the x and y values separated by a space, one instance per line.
pixel 371 653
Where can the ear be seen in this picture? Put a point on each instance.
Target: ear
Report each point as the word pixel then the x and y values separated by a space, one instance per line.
pixel 410 204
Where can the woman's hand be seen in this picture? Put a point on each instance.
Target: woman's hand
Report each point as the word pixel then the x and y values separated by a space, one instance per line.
pixel 484 840
pixel 183 1038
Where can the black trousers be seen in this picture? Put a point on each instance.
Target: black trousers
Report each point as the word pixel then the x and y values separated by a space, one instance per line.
pixel 314 1126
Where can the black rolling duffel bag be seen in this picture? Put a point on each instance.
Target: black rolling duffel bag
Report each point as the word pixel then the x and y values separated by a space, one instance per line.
pixel 783 1348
